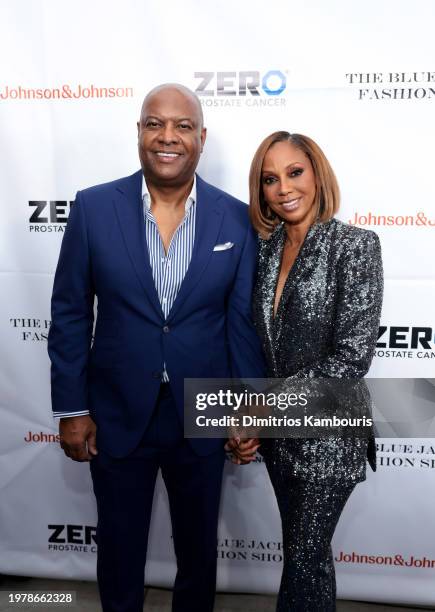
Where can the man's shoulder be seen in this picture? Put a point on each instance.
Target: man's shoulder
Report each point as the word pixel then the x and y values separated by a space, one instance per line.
pixel 105 189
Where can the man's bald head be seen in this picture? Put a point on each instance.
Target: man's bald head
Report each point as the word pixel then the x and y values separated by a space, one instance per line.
pixel 174 89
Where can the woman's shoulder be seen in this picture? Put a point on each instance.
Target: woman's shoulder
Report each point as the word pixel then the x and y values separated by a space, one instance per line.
pixel 350 235
pixel 354 248
pixel 343 238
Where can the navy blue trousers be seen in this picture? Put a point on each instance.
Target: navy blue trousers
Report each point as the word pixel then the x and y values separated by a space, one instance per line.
pixel 124 491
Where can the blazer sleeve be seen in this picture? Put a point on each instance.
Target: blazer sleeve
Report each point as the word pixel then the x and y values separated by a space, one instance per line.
pixel 358 311
pixel 247 359
pixel 70 334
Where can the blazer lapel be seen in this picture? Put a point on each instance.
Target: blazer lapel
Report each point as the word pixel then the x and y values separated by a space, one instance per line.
pixel 304 264
pixel 270 274
pixel 209 217
pixel 128 208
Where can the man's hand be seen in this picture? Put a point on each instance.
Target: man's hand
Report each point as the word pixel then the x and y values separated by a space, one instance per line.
pixel 78 437
pixel 243 451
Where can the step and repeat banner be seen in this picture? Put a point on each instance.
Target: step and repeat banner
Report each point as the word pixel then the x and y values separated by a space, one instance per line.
pixel 360 80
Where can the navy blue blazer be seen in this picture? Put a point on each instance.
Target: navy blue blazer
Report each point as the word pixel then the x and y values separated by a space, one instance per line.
pixel 208 333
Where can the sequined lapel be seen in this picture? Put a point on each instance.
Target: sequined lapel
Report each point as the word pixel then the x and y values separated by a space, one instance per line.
pixel 269 274
pixel 305 263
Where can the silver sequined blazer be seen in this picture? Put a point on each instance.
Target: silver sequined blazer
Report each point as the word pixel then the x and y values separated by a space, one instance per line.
pixel 326 325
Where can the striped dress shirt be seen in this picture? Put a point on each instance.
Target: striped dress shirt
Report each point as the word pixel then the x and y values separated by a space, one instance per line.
pixel 169 269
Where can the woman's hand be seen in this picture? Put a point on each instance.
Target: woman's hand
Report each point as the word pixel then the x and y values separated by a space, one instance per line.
pixel 243 451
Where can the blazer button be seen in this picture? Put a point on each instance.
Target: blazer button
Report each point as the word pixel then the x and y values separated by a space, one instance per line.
pixel 166 329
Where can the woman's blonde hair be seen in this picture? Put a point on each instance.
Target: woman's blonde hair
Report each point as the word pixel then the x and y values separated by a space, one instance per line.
pixel 327 199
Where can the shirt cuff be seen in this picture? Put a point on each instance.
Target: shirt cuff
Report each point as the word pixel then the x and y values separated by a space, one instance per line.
pixel 62 415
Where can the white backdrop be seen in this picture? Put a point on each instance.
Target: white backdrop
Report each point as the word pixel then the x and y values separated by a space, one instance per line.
pixel 358 78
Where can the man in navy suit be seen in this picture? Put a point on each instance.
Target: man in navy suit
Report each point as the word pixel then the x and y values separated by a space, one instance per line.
pixel 171 261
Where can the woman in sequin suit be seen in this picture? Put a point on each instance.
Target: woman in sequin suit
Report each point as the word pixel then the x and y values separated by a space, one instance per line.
pixel 317 305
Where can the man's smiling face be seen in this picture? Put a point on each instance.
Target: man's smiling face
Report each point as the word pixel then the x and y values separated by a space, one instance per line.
pixel 170 137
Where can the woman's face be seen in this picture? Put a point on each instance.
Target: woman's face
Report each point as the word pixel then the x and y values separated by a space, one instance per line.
pixel 288 183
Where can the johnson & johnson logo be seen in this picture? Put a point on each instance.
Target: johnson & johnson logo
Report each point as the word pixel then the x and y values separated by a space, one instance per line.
pixel 398 560
pixel 41 437
pixel 420 219
pixel 64 92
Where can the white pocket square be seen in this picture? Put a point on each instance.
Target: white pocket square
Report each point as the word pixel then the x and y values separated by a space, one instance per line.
pixel 224 247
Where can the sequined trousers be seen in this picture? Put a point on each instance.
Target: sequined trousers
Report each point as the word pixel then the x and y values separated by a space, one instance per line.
pixel 309 511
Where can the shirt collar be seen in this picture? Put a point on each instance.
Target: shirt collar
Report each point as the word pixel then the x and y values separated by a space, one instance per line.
pixel 191 198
